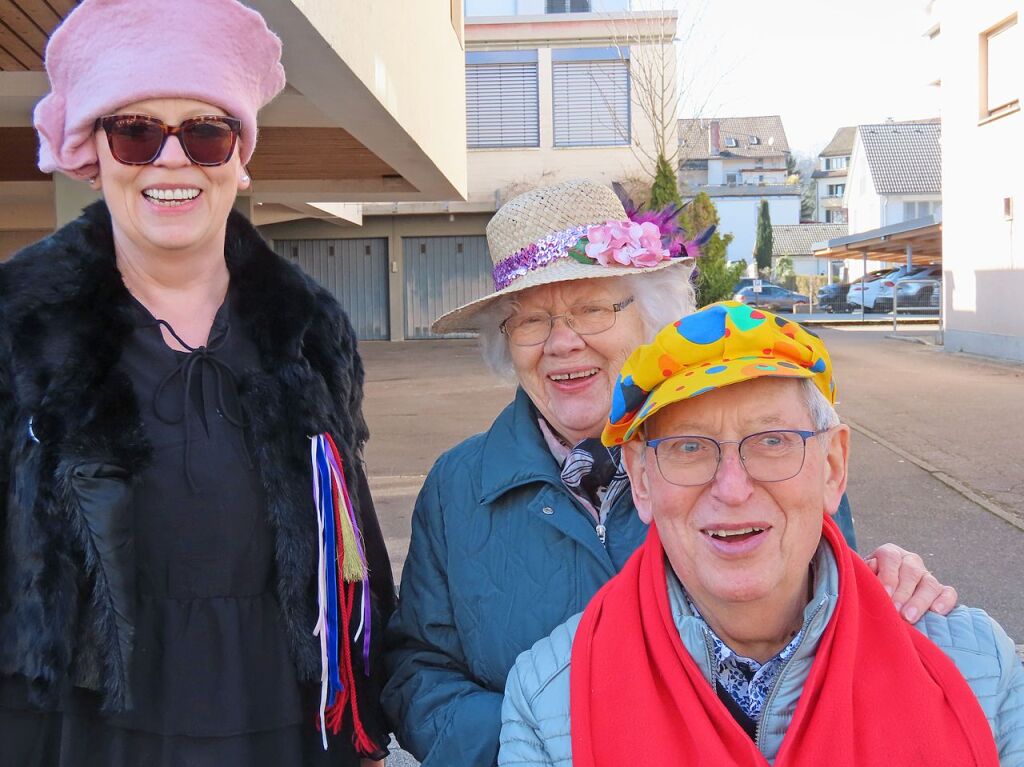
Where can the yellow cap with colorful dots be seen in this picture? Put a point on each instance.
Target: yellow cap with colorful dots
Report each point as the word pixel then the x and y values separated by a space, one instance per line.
pixel 722 344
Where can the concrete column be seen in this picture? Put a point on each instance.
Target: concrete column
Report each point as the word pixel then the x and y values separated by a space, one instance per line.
pixel 545 112
pixel 70 197
pixel 910 256
pixel 396 283
pixel 244 205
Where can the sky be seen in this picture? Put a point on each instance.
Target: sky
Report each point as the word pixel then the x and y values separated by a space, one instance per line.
pixel 821 64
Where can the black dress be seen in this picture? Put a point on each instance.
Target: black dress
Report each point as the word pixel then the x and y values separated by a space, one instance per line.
pixel 212 682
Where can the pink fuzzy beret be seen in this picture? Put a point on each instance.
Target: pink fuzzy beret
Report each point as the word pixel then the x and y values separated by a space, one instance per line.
pixel 109 53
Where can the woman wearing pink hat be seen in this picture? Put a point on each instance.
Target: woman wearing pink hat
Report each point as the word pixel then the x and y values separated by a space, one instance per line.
pixel 186 532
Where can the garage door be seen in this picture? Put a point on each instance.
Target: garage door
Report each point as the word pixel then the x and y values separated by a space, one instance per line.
pixel 356 273
pixel 441 274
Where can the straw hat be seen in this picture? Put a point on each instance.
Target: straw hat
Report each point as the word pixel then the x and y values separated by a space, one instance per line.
pixel 541 237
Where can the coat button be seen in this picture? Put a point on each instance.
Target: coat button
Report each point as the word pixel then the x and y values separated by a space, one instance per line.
pixel 548 510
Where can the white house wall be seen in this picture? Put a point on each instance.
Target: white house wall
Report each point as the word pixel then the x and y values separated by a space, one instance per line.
pixel 738 216
pixel 863 204
pixel 716 172
pixel 983 251
pixel 893 206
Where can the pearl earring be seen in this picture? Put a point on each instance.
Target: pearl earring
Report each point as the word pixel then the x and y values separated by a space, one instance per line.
pixel 245 177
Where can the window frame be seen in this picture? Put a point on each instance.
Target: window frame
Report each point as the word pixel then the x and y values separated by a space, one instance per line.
pixel 986 111
pixel 567 5
pixel 479 59
pixel 561 59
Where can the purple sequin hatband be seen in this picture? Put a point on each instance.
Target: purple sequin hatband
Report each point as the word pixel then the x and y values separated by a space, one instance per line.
pixel 536 255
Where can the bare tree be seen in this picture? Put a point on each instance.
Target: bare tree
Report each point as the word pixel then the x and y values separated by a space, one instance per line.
pixel 667 81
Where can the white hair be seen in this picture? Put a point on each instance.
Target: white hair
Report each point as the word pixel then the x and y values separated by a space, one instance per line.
pixel 823 414
pixel 661 297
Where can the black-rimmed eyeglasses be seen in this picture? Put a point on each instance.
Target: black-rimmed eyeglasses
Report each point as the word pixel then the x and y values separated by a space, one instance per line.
pixel 767 456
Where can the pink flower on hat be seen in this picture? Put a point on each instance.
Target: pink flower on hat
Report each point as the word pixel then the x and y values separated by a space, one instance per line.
pixel 626 243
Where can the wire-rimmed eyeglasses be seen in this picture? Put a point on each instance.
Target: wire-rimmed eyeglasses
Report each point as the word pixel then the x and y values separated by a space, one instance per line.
pixel 767 456
pixel 532 328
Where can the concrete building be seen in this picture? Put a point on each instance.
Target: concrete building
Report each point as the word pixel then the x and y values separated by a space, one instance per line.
pixel 737 162
pixel 549 96
pixel 361 118
pixel 830 177
pixel 978 69
pixel 895 174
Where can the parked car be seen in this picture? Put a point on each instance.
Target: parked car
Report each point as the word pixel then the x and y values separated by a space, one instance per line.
pixel 876 295
pixel 771 297
pixel 832 297
pixel 920 291
pixel 835 297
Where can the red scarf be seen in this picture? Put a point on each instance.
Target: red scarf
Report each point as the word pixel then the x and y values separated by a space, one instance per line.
pixel 878 693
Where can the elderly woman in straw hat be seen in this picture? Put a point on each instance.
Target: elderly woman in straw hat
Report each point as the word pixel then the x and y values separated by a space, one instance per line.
pixel 172 395
pixel 517 528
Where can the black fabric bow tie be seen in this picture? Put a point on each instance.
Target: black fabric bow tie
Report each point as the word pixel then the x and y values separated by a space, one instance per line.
pixel 590 467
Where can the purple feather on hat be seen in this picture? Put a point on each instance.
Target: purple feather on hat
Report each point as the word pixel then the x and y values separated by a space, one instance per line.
pixel 673 234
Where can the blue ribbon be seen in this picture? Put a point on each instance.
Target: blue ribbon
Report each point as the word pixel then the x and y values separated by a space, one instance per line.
pixel 326 501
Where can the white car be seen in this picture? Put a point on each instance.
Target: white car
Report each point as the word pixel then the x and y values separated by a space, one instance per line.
pixel 875 295
pixel 920 291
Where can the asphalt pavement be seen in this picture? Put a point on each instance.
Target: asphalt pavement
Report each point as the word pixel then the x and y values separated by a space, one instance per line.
pixel 936 462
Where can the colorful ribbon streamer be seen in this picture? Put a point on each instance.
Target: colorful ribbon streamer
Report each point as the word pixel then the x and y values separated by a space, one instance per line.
pixel 341 565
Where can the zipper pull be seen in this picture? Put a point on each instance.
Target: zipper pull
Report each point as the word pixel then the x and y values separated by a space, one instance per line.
pixel 602 533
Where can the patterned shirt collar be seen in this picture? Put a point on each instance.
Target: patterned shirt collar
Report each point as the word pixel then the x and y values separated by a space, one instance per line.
pixel 747 681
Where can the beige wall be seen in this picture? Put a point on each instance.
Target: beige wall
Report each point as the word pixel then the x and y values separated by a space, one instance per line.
pixel 495 175
pixel 392 74
pixel 13 241
pixel 983 252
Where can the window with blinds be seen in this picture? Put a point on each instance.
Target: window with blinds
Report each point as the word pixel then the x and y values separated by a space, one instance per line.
pixel 591 102
pixel 502 100
pixel 567 6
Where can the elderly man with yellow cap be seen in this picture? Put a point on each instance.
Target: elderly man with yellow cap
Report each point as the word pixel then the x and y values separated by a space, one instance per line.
pixel 745 631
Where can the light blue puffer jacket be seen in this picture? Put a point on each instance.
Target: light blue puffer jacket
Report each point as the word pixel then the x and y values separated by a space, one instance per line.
pixel 501 553
pixel 535 711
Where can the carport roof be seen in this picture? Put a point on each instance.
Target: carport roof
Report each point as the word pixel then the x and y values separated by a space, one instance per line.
pixel 889 243
pixel 336 134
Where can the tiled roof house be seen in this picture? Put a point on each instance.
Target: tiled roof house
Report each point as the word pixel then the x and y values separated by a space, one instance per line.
pixel 830 176
pixel 753 137
pixel 797 239
pixel 738 162
pixel 895 174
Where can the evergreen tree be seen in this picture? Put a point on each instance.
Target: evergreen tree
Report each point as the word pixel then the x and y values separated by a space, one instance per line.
pixel 809 202
pixel 763 244
pixel 716 277
pixel 665 189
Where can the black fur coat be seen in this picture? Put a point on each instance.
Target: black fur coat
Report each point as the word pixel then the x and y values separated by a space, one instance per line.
pixel 71 441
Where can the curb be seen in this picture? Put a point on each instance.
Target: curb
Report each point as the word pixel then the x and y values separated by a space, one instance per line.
pixel 972 495
pixel 910 339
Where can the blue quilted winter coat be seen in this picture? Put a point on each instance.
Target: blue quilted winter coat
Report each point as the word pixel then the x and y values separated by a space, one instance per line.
pixel 500 555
